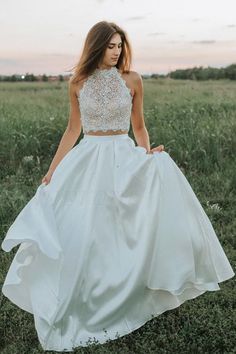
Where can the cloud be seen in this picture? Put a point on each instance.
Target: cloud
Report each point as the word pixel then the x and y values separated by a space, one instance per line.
pixel 100 1
pixel 55 55
pixel 173 41
pixel 156 34
pixel 211 41
pixel 136 18
pixel 230 26
pixel 8 62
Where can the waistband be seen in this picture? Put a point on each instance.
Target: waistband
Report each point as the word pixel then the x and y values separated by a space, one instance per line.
pixel 106 137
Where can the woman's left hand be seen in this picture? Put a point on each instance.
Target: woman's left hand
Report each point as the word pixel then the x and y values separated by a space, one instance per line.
pixel 157 148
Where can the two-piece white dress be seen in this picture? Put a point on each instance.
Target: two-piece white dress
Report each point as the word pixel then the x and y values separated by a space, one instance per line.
pixel 116 238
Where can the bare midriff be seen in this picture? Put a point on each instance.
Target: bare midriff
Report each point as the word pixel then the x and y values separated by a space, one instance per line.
pixel 108 132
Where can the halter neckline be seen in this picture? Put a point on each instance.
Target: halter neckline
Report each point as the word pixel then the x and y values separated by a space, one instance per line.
pixel 113 68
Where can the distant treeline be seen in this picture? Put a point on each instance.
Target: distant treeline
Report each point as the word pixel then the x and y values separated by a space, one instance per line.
pixel 32 77
pixel 196 73
pixel 229 72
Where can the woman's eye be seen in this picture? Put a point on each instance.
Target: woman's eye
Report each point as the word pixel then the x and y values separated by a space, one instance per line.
pixel 120 46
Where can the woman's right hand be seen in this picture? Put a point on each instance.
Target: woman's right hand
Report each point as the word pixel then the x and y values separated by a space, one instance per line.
pixel 46 179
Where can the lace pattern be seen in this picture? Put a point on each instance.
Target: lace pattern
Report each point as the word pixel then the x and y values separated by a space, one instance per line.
pixel 105 101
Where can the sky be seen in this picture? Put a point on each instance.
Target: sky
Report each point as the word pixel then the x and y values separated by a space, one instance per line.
pixel 47 36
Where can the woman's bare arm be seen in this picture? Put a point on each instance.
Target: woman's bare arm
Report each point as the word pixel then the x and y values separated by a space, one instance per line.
pixel 72 131
pixel 137 116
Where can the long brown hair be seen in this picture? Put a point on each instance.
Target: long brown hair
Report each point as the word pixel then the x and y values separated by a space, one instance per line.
pixel 94 49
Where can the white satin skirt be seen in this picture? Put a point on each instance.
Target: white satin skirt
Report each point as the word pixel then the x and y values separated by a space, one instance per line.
pixel 116 238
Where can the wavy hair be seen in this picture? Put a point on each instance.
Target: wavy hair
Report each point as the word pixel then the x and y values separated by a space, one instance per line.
pixel 94 49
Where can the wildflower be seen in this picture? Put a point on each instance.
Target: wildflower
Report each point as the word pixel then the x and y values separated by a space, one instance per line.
pixel 28 158
pixel 214 206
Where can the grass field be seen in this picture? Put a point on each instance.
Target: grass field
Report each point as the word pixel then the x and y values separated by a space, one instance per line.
pixel 196 121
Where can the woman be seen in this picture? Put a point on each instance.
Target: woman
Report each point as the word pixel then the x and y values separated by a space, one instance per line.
pixel 114 235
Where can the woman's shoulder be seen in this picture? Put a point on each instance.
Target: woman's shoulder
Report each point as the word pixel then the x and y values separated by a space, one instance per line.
pixel 131 73
pixel 133 78
pixel 76 86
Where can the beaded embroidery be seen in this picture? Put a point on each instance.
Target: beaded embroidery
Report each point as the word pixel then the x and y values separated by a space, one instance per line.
pixel 105 101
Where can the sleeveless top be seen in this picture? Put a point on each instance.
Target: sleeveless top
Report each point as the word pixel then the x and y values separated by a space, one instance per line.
pixel 105 101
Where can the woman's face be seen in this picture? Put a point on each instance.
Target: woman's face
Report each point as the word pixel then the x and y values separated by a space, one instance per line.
pixel 113 51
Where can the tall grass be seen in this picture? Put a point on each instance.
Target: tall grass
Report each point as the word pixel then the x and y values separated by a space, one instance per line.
pixel 196 121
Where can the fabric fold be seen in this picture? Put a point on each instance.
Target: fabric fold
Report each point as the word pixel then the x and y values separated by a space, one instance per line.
pixel 116 238
pixel 32 281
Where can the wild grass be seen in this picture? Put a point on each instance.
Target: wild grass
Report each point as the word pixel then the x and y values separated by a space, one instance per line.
pixel 196 121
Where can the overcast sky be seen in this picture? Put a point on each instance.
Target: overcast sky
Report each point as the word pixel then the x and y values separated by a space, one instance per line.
pixel 46 36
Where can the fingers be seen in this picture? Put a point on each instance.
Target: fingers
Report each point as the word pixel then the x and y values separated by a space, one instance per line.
pixel 158 148
pixel 44 180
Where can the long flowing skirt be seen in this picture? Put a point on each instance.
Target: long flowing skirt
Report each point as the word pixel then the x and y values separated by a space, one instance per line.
pixel 116 238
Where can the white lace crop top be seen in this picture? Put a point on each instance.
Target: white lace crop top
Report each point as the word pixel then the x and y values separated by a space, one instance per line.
pixel 105 101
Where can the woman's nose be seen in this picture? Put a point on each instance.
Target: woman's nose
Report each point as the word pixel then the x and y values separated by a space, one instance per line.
pixel 117 50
